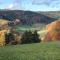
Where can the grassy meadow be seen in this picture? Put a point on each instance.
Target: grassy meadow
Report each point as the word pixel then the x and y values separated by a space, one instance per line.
pixel 22 28
pixel 35 51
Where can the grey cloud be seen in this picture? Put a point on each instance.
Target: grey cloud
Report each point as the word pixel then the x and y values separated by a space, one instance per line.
pixel 45 2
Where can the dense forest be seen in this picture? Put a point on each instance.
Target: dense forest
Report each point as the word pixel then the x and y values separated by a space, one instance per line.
pixel 26 17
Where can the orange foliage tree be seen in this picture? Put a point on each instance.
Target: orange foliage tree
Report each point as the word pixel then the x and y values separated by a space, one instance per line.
pixel 53 31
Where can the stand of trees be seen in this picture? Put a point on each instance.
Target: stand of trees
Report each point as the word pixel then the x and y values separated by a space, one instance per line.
pixel 9 38
pixel 29 37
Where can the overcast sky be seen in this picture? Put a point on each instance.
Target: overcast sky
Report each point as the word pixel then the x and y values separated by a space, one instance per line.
pixel 33 5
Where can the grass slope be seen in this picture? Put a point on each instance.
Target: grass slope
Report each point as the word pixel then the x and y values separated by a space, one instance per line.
pixel 38 51
pixel 3 21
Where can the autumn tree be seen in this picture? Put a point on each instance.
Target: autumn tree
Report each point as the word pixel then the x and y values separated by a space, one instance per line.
pixel 53 31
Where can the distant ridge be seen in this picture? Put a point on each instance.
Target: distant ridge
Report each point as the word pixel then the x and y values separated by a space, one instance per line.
pixel 26 17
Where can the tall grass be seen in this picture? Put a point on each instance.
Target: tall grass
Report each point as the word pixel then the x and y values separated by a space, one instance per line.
pixel 38 51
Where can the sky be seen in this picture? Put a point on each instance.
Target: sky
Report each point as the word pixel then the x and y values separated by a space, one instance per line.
pixel 31 5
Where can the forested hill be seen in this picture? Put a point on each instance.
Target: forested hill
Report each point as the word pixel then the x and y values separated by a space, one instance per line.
pixel 26 17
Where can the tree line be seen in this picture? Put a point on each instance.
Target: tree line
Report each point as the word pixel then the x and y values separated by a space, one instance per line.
pixel 26 38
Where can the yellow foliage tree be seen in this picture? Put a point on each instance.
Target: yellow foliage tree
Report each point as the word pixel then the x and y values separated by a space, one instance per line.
pixel 2 37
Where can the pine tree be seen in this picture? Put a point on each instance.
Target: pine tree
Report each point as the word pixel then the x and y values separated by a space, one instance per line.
pixel 27 37
pixel 35 37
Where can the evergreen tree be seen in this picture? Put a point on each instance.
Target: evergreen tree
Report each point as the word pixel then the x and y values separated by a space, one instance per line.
pixel 35 37
pixel 27 37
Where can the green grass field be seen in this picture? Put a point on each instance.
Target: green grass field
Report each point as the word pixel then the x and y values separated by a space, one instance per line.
pixel 37 51
pixel 23 28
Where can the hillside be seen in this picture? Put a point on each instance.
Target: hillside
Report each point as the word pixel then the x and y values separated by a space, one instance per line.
pixel 25 17
pixel 54 14
pixel 39 51
pixel 28 19
pixel 3 21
